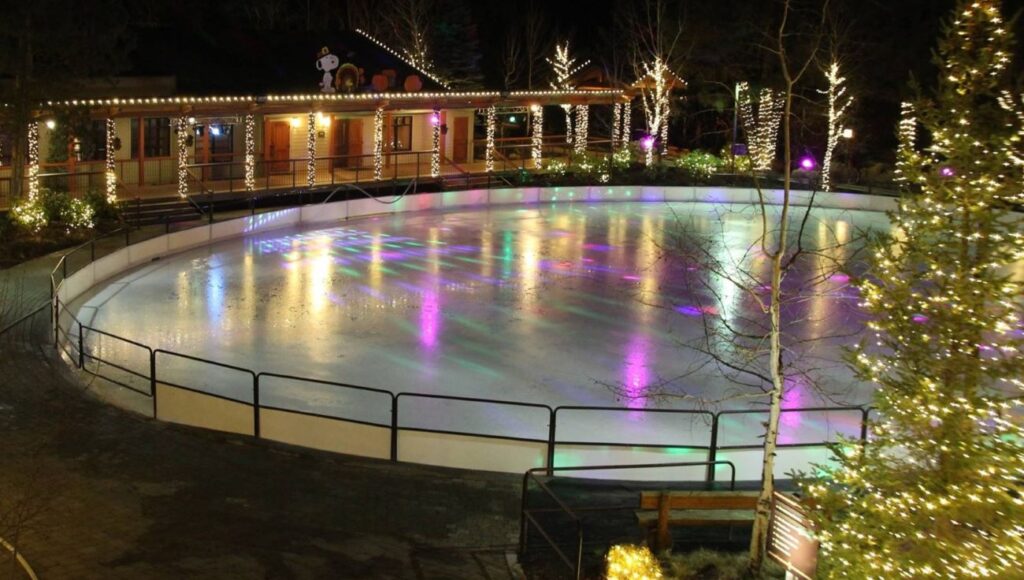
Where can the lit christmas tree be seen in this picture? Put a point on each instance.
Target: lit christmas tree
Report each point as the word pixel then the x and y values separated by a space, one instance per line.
pixel 937 490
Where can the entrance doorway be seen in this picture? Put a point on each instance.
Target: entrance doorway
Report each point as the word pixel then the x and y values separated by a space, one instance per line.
pixel 347 143
pixel 278 139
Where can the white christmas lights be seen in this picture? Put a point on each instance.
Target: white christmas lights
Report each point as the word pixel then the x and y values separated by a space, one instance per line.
pixel 581 130
pixel 656 102
pixel 406 58
pixel 489 153
pixel 762 126
pixel 109 165
pixel 564 66
pixel 183 132
pixel 627 128
pixel 616 123
pixel 537 136
pixel 250 152
pixel 838 103
pixel 378 143
pixel 311 149
pixel 33 160
pixel 435 144
pixel 907 141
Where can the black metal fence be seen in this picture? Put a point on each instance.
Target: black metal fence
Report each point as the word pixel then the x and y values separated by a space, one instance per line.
pixel 143 367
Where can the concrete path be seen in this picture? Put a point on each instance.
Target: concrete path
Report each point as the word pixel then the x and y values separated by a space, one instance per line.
pixel 88 490
pixel 105 494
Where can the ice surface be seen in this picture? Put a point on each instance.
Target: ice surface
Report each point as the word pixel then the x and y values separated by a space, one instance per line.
pixel 554 305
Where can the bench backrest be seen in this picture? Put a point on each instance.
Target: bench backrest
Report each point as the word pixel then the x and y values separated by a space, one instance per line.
pixel 701 500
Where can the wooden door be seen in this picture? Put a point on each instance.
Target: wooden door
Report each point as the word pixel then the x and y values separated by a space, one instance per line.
pixel 460 142
pixel 355 142
pixel 278 146
pixel 339 143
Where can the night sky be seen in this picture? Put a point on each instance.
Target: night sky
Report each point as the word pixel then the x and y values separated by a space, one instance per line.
pixel 882 45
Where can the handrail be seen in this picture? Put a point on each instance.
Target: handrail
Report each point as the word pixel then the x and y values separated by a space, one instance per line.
pixel 525 517
pixel 22 319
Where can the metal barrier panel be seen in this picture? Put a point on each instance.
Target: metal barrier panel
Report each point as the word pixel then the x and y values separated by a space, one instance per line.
pixel 472 433
pixel 188 407
pixel 803 438
pixel 632 436
pixel 325 415
pixel 119 360
pixel 205 377
pixel 325 433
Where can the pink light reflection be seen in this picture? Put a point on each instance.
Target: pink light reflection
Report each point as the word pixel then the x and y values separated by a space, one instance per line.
pixel 797 395
pixel 636 375
pixel 430 319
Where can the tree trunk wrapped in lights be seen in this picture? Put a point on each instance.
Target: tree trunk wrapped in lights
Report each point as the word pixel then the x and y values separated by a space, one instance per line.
pixel 656 104
pixel 907 135
pixel 762 125
pixel 838 104
pixel 564 66
pixel 937 489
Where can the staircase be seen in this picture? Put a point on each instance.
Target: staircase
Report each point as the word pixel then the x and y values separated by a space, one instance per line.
pixel 159 210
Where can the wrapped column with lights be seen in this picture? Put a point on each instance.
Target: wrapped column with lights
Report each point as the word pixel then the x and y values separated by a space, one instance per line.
pixel 627 131
pixel 250 152
pixel 582 128
pixel 111 175
pixel 311 149
pixel 378 143
pixel 616 123
pixel 435 144
pixel 183 129
pixel 33 160
pixel 489 154
pixel 537 136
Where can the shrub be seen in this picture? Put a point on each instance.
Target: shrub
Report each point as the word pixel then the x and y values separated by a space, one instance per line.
pixel 54 207
pixel 700 165
pixel 6 225
pixel 741 163
pixel 716 565
pixel 101 207
pixel 30 214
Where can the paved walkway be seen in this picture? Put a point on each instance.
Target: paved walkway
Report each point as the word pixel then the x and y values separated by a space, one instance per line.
pixel 88 490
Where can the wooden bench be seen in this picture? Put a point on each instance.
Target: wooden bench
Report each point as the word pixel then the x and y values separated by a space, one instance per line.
pixel 659 510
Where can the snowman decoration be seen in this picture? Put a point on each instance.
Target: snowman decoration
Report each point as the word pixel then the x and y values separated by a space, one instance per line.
pixel 327 62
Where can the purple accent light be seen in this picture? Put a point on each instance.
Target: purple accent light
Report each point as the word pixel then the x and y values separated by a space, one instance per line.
pixel 435 119
pixel 647 143
pixel 807 163
pixel 947 171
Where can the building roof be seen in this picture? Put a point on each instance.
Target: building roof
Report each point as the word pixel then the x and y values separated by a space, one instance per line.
pixel 248 62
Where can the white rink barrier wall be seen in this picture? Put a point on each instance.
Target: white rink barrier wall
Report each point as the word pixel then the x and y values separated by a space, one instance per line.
pixel 384 437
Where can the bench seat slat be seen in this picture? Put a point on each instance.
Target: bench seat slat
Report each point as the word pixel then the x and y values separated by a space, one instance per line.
pixel 697 517
pixel 741 500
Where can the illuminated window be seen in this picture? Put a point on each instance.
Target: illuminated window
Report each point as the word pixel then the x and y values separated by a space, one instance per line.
pixel 156 134
pixel 402 134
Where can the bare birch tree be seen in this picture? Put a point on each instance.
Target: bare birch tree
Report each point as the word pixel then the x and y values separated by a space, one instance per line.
pixel 757 304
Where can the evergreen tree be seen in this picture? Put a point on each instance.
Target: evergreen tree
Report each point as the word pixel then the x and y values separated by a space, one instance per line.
pixel 937 489
pixel 456 46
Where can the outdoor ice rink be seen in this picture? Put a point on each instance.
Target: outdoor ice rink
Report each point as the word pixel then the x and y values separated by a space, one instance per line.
pixel 555 305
